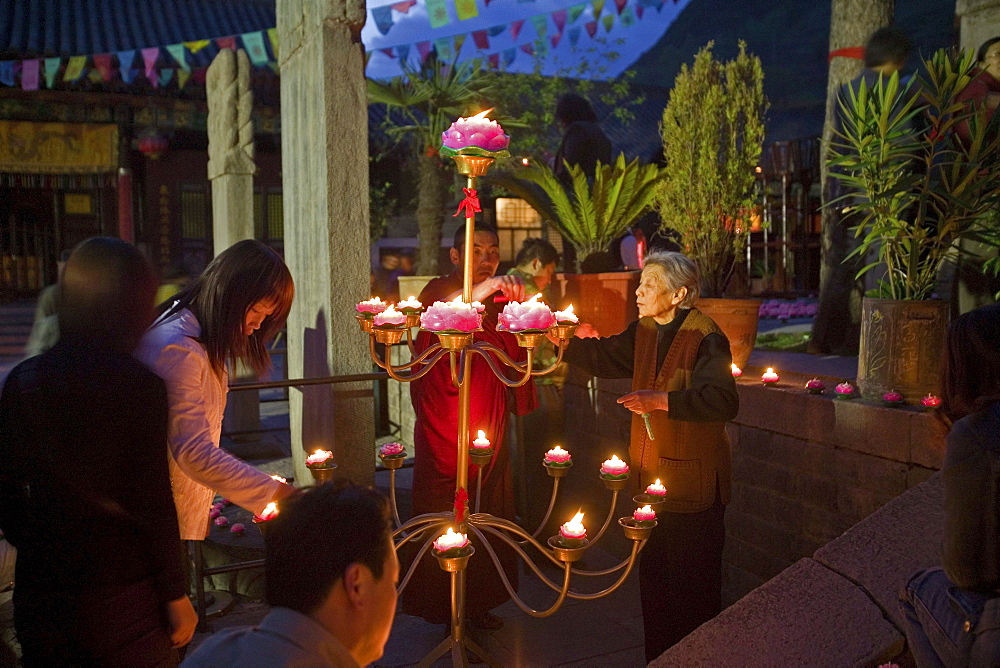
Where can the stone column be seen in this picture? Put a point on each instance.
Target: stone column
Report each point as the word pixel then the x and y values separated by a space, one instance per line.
pixel 980 21
pixel 230 170
pixel 324 155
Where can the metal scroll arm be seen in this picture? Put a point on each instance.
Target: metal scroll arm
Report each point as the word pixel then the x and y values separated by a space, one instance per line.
pixel 420 359
pixel 485 349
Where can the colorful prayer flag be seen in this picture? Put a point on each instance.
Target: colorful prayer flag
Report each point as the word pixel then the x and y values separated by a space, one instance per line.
pixel 459 41
pixel 540 21
pixel 555 39
pixel 197 45
pixel 493 31
pixel 608 20
pixel 437 12
pixel 494 60
pixel 598 6
pixel 29 74
pixel 559 18
pixel 149 57
pixel 576 10
pixel 51 69
pixel 182 77
pixel 509 56
pixel 638 11
pixel 620 4
pixel 466 9
pixel 404 7
pixel 591 27
pixel 253 42
pixel 627 18
pixel 388 51
pixel 166 75
pixel 481 39
pixel 528 48
pixel 383 18
pixel 515 28
pixel 74 68
pixel 444 49
pixel 574 35
pixel 403 51
pixel 272 36
pixel 228 42
pixel 180 55
pixel 7 72
pixel 423 48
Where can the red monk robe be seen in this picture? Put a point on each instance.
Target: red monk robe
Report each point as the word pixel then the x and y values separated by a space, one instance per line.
pixel 435 437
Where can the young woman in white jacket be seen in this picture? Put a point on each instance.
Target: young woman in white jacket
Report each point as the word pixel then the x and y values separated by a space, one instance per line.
pixel 226 315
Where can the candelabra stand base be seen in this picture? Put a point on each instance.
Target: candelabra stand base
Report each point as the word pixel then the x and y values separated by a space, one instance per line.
pixel 459 653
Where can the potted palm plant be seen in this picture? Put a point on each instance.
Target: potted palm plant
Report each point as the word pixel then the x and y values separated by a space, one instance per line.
pixel 591 216
pixel 918 189
pixel 713 132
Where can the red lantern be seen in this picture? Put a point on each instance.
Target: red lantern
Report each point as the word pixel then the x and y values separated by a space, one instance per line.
pixel 153 145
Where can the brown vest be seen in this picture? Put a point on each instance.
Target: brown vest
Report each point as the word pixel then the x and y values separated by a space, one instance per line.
pixel 688 457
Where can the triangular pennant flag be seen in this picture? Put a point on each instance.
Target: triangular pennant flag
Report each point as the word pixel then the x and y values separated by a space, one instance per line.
pixel 228 42
pixel 102 63
pixel 383 19
pixel 555 39
pixel 51 69
pixel 559 18
pixel 638 11
pixel 125 60
pixel 459 41
pixel 423 48
pixel 494 60
pixel 515 28
pixel 389 52
pixel 404 7
pixel 493 31
pixel 541 48
pixel 466 9
pixel 29 74
pixel 437 12
pixel 574 35
pixel 74 68
pixel 528 48
pixel 591 27
pixel 620 4
pixel 166 75
pixel 272 36
pixel 608 20
pixel 509 56
pixel 576 10
pixel 182 77
pixel 128 74
pixel 540 21
pixel 180 55
pixel 95 76
pixel 149 57
pixel 444 50
pixel 627 18
pixel 197 45
pixel 487 2
pixel 253 42
pixel 403 51
pixel 7 72
pixel 598 6
pixel 481 39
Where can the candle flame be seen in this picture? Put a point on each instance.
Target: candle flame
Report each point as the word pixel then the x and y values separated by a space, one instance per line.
pixel 614 459
pixel 278 478
pixel 482 114
pixel 524 161
pixel 482 434
pixel 769 370
pixel 569 309
pixel 657 482
pixel 646 509
pixel 735 368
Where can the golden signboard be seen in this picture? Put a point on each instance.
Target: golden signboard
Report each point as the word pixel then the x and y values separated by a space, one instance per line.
pixel 58 148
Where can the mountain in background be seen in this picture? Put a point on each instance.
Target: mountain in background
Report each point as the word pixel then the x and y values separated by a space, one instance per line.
pixel 792 39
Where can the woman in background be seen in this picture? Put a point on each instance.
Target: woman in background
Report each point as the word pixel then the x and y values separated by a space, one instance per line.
pixel 84 487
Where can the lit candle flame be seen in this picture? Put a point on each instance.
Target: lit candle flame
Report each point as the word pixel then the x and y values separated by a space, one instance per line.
pixel 482 114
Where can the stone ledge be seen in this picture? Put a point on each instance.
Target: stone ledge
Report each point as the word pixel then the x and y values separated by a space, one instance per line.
pixel 807 615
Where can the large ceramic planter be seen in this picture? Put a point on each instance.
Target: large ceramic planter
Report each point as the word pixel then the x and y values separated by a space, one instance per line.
pixel 606 301
pixel 902 347
pixel 737 318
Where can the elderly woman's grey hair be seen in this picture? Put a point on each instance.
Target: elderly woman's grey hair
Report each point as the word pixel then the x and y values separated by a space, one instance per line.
pixel 679 271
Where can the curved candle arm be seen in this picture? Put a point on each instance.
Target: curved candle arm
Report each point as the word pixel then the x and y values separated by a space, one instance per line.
pixel 487 348
pixel 607 520
pixel 548 511
pixel 420 359
pixel 410 341
pixel 419 521
pixel 392 499
pixel 456 361
pixel 415 375
pixel 495 523
pixel 413 567
pixel 552 367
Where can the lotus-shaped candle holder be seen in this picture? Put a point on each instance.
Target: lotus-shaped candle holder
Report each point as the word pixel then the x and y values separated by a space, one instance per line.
pixel 844 391
pixel 365 323
pixel 564 332
pixel 389 335
pixel 653 500
pixel 568 549
pixel 893 399
pixel 392 455
pixel 455 559
pixel 481 456
pixel 815 386
pixel 636 529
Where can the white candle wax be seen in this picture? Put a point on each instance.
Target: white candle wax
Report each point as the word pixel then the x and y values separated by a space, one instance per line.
pixel 482 442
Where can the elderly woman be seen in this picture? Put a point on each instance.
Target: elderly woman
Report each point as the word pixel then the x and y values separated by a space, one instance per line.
pixel 679 362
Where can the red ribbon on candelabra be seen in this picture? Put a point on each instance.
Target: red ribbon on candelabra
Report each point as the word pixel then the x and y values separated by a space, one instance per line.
pixel 470 204
pixel 461 496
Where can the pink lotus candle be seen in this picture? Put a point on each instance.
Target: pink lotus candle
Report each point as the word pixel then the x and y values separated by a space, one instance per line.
pixel 392 451
pixel 930 401
pixel 221 521
pixel 892 398
pixel 526 316
pixel 450 543
pixel 214 512
pixel 453 316
pixel 370 307
pixel 479 306
pixel 277 477
pixel 238 528
pixel 573 533
pixel 557 457
pixel 844 391
pixel 482 443
pixel 567 317
pixel 645 513
pixel 269 513
pixel 815 386
pixel 390 317
pixel 737 372
pixel 769 377
pixel 475 131
pixel 614 468
pixel 321 459
pixel 656 489
pixel 409 305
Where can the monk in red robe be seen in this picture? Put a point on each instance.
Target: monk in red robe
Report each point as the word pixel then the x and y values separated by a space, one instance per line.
pixel 435 437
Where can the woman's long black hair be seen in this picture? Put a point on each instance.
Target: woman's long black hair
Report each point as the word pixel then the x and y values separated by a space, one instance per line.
pixel 240 276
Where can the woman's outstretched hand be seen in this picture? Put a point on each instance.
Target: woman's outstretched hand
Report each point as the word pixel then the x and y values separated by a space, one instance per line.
pixel 645 401
pixel 182 619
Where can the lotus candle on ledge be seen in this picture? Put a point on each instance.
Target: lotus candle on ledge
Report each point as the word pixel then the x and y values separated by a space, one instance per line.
pixel 930 402
pixel 769 377
pixel 451 544
pixel 893 399
pixel 369 308
pixel 474 132
pixel 409 306
pixel 614 469
pixel 656 489
pixel 844 390
pixel 815 386
pixel 566 317
pixel 527 316
pixel 573 534
pixel 737 372
pixel 392 451
pixel 558 458
pixel 454 317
